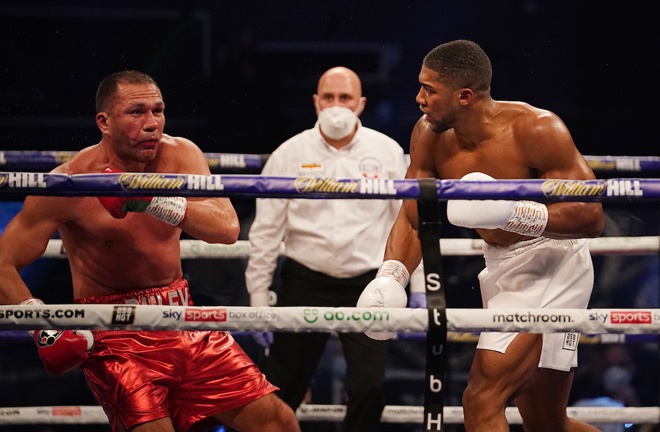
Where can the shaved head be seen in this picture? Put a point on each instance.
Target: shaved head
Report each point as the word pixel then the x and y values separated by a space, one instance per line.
pixel 341 76
pixel 339 86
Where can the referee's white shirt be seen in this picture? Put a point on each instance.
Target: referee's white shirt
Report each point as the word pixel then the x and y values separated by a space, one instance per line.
pixel 338 237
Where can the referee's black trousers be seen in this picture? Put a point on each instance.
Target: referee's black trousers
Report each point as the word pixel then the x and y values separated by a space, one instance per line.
pixel 294 357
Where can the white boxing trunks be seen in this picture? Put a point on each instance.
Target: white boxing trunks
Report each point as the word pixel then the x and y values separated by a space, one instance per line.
pixel 538 273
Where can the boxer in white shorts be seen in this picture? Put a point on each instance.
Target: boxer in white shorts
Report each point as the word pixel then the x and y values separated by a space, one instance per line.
pixel 538 273
pixel 534 257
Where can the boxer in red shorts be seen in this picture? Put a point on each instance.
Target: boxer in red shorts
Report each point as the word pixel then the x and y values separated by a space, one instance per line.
pixel 127 250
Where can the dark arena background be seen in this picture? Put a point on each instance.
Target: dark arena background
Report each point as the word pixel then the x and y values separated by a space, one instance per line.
pixel 238 77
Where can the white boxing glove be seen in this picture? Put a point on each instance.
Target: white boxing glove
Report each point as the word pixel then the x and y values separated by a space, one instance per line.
pixel 523 217
pixel 387 290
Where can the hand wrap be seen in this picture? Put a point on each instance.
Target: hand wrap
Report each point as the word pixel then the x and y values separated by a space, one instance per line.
pixel 171 210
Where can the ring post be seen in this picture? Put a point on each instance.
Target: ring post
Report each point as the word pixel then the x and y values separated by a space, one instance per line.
pixel 436 338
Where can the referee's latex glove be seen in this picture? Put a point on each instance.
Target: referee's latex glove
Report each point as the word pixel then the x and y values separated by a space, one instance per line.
pixel 417 300
pixel 265 339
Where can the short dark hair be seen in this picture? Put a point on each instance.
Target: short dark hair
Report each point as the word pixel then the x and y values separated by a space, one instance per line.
pixel 461 63
pixel 108 86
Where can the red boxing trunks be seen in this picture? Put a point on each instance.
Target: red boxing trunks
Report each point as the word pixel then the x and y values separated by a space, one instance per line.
pixel 175 294
pixel 141 376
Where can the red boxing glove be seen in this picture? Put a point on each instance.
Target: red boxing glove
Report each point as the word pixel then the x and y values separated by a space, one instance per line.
pixel 118 206
pixel 171 210
pixel 61 350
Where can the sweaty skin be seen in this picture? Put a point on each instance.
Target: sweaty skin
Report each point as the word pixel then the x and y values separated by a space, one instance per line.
pixel 506 140
pixel 107 255
pixel 464 130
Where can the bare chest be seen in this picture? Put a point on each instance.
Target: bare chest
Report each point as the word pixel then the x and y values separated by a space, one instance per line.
pixel 92 228
pixel 500 158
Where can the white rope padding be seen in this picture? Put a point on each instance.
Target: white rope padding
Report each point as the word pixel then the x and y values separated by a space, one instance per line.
pixel 325 319
pixel 391 414
pixel 586 339
pixel 456 337
pixel 454 415
pixel 191 249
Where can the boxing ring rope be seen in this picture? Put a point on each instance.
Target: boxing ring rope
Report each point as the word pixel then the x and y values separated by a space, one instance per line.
pixel 342 319
pixel 230 161
pixel 647 245
pixel 191 249
pixel 324 319
pixel 46 160
pixel 87 414
pixel 592 321
pixel 195 185
pixel 624 163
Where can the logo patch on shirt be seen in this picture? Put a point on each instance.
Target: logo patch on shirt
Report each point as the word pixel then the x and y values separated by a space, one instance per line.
pixel 571 341
pixel 311 169
pixel 371 168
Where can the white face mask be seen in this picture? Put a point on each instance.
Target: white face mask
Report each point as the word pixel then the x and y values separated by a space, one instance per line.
pixel 337 122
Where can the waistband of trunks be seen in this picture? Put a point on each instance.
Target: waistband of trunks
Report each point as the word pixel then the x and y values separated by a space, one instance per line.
pixel 176 294
pixel 500 253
